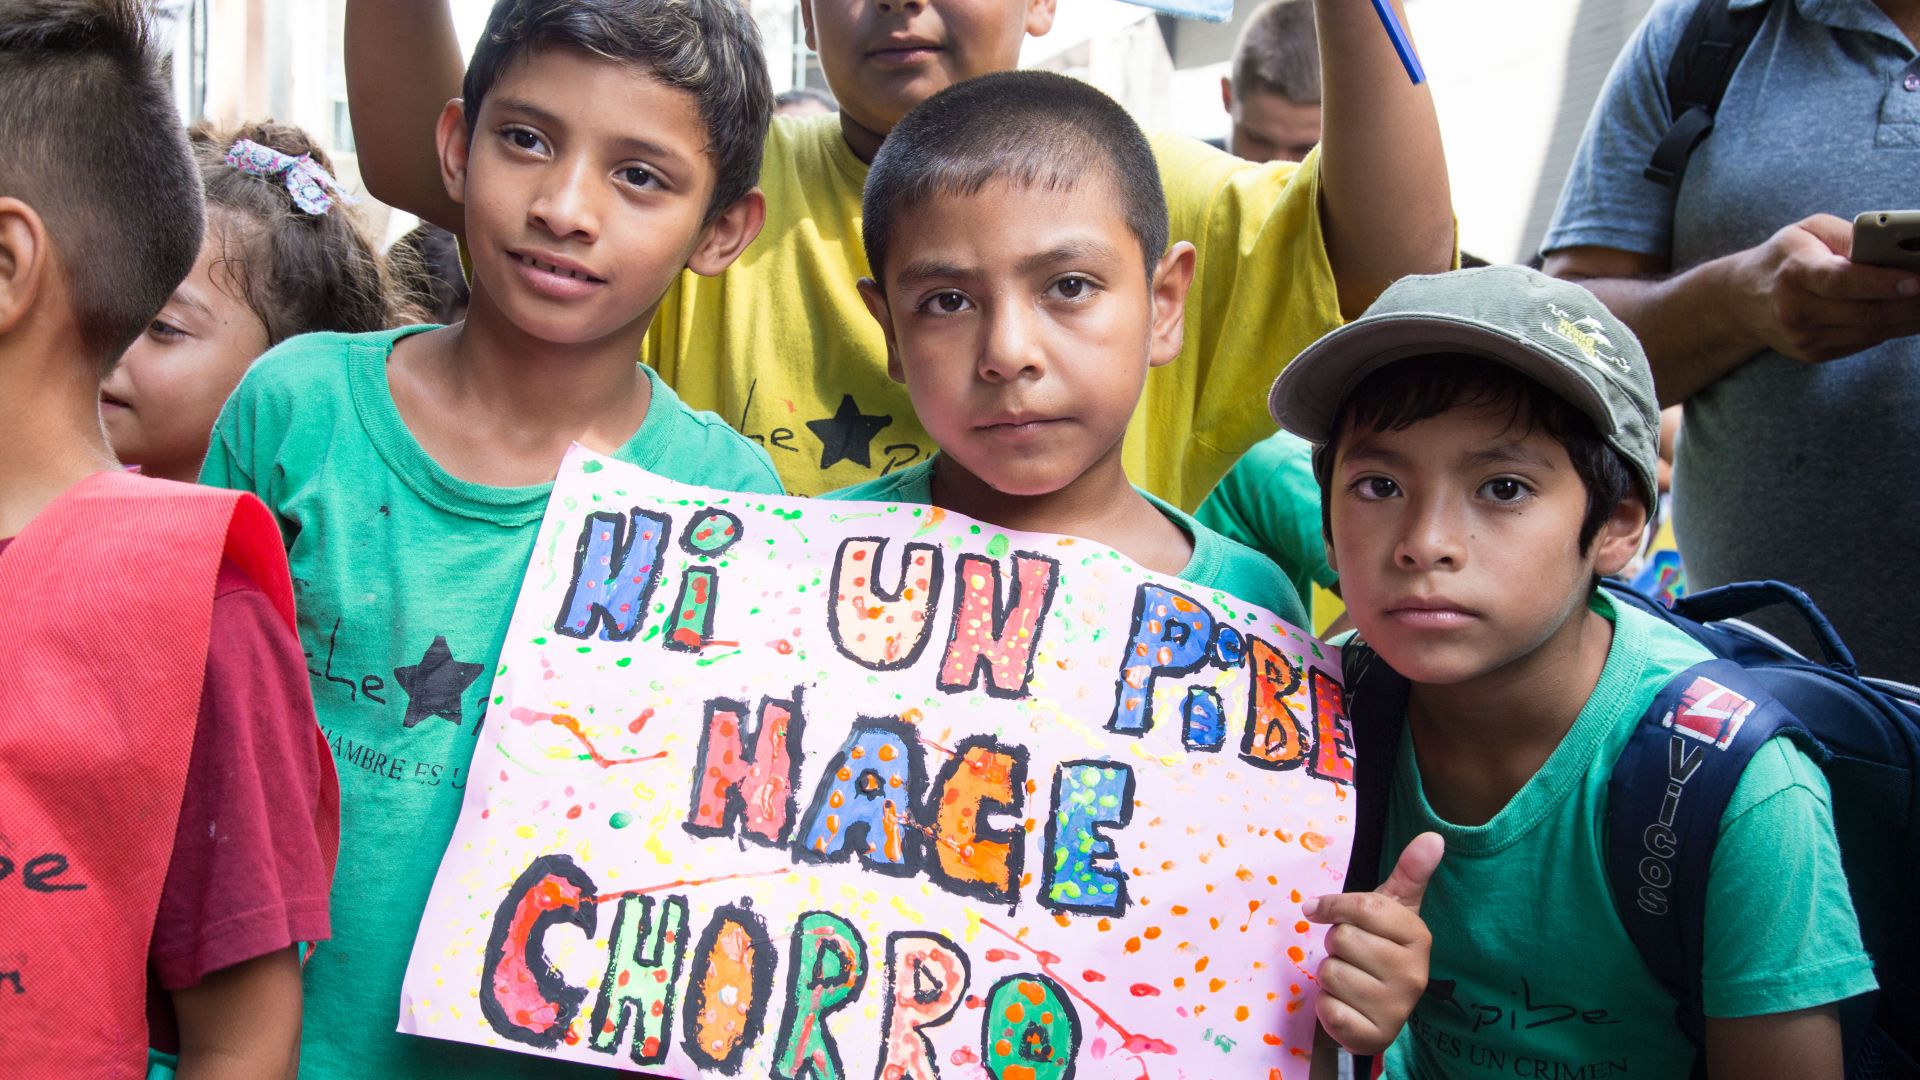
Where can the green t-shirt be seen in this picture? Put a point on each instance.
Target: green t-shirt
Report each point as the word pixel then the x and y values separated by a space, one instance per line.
pixel 1217 563
pixel 405 579
pixel 1532 972
pixel 1270 502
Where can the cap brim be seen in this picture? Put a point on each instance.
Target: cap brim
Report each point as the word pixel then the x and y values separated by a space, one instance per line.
pixel 1309 392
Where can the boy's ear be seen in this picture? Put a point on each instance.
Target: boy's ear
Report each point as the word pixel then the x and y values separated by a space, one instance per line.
pixel 876 299
pixel 1620 536
pixel 1172 276
pixel 806 23
pixel 455 142
pixel 1226 93
pixel 25 256
pixel 1039 17
pixel 728 234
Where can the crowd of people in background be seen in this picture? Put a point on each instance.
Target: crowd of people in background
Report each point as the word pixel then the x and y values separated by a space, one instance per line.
pixel 941 282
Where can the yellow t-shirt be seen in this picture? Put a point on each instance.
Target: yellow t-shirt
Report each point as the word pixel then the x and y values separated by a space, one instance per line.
pixel 783 348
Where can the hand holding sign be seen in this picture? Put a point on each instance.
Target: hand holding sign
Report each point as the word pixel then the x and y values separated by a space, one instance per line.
pixel 1377 951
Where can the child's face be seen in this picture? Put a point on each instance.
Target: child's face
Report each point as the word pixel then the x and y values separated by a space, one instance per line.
pixel 585 183
pixel 160 402
pixel 1457 541
pixel 1023 323
pixel 883 57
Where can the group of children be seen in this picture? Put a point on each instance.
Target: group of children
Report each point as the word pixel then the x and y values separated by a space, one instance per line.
pixel 976 288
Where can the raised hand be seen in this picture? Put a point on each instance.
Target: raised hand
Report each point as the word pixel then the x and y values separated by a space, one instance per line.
pixel 1377 952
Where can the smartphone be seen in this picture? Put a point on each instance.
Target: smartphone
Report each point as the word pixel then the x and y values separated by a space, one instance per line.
pixel 1888 238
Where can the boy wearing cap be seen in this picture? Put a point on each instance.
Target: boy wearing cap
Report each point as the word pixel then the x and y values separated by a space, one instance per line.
pixel 1486 446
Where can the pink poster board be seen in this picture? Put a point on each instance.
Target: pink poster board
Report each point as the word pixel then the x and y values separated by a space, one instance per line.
pixel 775 787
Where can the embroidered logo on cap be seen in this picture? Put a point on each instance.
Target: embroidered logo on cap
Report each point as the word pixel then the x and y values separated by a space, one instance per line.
pixel 1585 334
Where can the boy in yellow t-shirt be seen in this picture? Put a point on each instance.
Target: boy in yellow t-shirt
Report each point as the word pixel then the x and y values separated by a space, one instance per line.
pixel 780 343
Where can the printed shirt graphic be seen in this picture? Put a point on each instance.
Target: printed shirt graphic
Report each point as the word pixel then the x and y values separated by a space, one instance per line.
pixel 405 577
pixel 782 347
pixel 1532 973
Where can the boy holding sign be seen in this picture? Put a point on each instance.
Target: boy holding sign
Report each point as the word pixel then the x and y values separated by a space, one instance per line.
pixel 602 147
pixel 1486 442
pixel 1025 287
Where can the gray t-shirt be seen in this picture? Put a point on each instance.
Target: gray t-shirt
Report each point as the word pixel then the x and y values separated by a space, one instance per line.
pixel 1805 473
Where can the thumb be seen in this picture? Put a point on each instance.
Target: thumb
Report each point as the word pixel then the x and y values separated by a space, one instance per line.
pixel 1408 882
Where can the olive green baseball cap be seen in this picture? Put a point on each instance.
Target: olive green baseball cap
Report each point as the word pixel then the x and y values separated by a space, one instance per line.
pixel 1552 331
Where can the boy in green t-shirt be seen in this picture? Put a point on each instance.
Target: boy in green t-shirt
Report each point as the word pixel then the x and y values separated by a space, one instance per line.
pixel 780 344
pixel 1486 448
pixel 601 146
pixel 1025 286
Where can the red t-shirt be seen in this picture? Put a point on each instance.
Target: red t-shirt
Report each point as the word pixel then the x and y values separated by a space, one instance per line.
pixel 248 876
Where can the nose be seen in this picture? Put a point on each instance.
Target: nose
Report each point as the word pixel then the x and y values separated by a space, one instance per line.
pixel 1431 538
pixel 566 203
pixel 1012 348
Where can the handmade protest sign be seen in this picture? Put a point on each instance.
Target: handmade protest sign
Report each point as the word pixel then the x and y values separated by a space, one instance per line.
pixel 787 788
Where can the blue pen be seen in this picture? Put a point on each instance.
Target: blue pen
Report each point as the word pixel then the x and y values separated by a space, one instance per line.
pixel 1401 43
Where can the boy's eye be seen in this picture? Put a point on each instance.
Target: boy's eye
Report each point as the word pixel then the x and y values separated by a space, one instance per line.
pixel 637 176
pixel 946 302
pixel 1504 489
pixel 164 331
pixel 1072 287
pixel 523 139
pixel 1376 487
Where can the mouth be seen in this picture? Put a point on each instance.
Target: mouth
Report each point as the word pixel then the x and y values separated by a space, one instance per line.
pixel 555 277
pixel 1018 423
pixel 556 267
pixel 903 52
pixel 1436 613
pixel 109 401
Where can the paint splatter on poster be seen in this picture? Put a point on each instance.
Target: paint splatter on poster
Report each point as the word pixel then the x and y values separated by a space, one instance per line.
pixel 785 788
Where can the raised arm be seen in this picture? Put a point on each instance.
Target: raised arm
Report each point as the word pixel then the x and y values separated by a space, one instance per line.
pixel 1385 204
pixel 1796 294
pixel 403 63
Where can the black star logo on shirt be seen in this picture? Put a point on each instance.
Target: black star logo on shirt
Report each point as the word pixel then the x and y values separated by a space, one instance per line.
pixel 435 685
pixel 847 434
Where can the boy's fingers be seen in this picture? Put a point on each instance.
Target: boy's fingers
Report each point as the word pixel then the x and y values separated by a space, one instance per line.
pixel 1408 882
pixel 1349 981
pixel 1349 1026
pixel 1375 954
pixel 1372 913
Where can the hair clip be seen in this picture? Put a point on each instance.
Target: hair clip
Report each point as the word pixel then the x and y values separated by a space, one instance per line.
pixel 314 190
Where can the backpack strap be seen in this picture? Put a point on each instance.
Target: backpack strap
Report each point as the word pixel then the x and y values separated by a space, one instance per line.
pixel 1377 709
pixel 1711 48
pixel 1668 793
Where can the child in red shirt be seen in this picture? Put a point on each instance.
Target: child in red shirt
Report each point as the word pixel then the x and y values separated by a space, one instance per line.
pixel 169 809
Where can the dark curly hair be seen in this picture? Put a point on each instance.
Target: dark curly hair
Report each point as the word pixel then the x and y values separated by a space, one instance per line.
pixel 298 272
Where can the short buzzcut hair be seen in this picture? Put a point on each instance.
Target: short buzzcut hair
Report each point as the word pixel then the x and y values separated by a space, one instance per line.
pixel 1279 53
pixel 708 48
pixel 1027 128
pixel 89 138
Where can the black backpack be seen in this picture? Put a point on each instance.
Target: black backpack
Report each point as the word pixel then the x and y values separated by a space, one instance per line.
pixel 1671 785
pixel 1711 47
